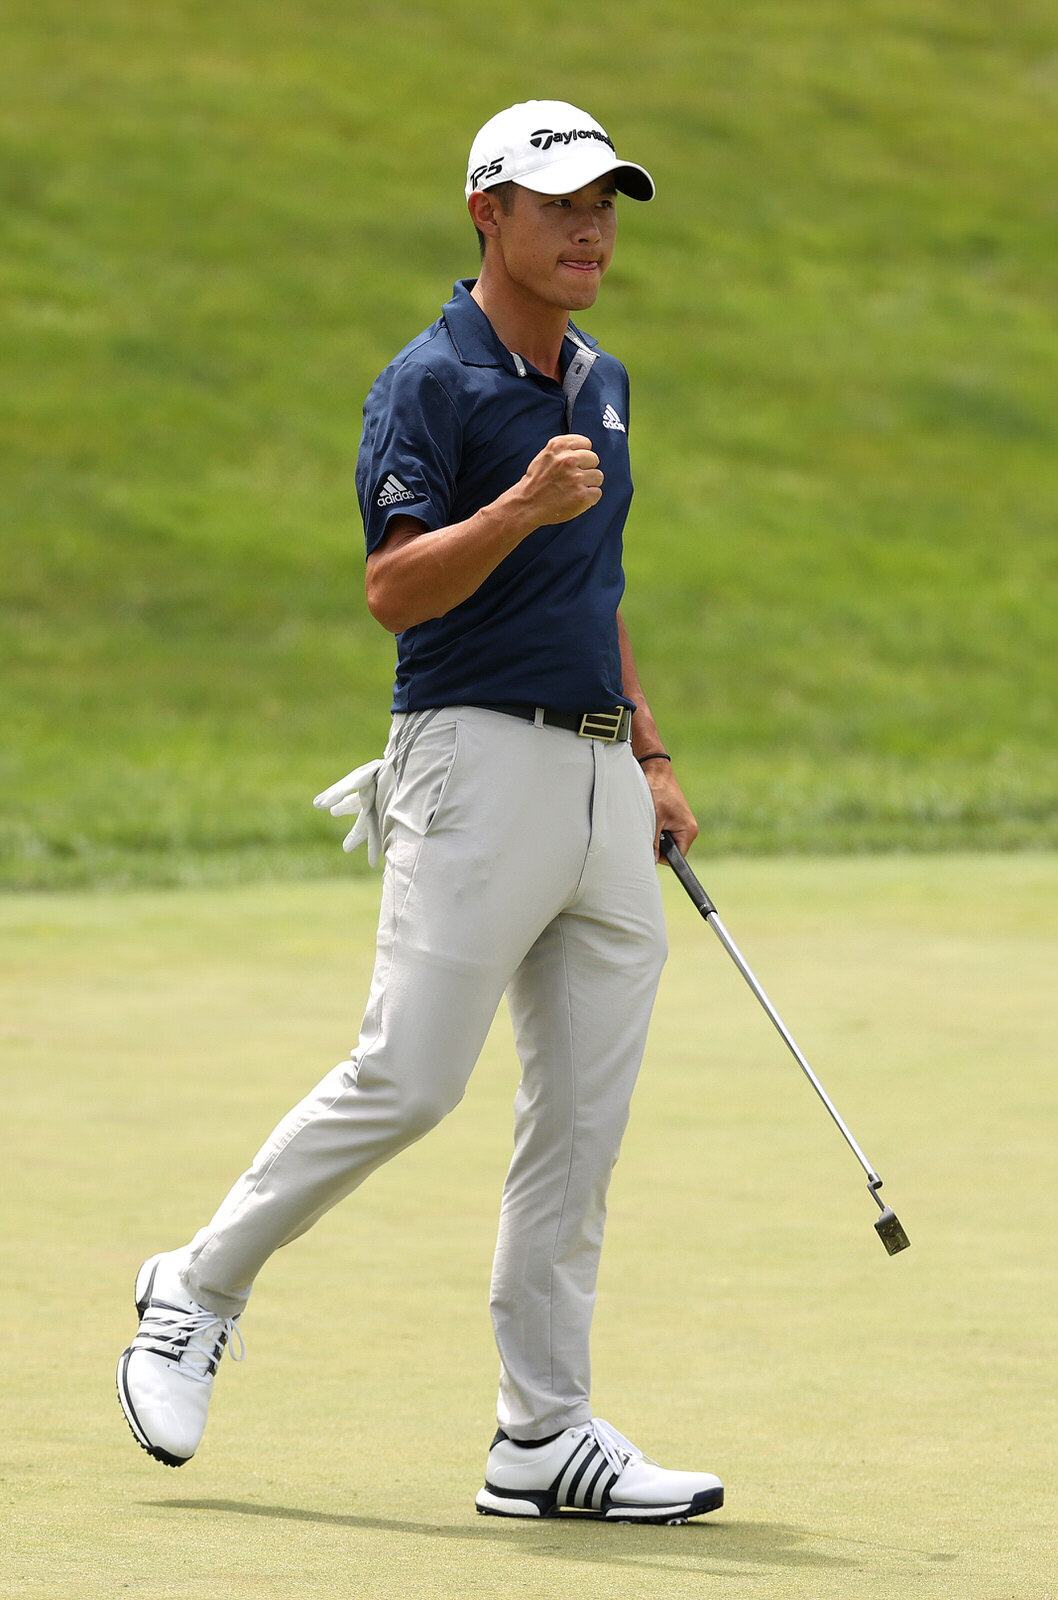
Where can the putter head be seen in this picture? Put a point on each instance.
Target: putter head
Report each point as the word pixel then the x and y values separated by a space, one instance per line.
pixel 890 1232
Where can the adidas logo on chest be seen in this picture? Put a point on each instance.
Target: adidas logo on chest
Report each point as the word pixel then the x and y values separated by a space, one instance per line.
pixel 610 419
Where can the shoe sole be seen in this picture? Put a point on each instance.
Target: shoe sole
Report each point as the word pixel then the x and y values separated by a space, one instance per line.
pixel 141 1299
pixel 491 1504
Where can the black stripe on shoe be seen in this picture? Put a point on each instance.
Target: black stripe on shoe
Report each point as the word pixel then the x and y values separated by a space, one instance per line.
pixel 543 1499
pixel 142 1304
pixel 705 1500
pixel 573 1470
pixel 572 1497
pixel 596 1491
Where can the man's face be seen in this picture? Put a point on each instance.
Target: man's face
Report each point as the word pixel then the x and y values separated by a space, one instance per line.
pixel 557 247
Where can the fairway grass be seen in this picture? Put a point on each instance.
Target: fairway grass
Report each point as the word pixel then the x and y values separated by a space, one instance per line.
pixel 885 1427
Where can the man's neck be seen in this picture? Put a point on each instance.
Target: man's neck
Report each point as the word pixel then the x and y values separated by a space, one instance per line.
pixel 524 325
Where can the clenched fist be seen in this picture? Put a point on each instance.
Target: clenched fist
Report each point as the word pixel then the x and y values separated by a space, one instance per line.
pixel 562 481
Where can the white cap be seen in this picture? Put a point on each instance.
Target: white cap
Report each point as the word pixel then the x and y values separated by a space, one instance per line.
pixel 552 148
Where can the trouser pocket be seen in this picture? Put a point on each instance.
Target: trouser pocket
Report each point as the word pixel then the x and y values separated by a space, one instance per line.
pixel 420 759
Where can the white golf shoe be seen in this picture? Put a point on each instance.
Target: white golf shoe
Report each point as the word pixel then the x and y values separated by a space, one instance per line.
pixel 165 1377
pixel 595 1471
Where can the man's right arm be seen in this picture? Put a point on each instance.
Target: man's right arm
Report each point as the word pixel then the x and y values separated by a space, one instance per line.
pixel 415 574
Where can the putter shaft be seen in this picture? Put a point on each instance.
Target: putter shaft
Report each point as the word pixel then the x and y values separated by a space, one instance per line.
pixel 873 1180
pixel 891 1233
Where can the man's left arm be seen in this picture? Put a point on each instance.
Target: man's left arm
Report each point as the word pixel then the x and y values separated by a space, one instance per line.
pixel 670 808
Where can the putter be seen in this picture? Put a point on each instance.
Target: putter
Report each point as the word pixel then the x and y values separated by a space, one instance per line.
pixel 887 1225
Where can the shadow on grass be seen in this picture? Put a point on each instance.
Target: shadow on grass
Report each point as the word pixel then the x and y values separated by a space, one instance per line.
pixel 575 1538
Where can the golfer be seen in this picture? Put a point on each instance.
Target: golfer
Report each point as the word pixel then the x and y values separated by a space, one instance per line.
pixel 518 806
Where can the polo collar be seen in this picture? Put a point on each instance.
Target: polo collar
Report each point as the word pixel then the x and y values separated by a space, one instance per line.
pixel 473 336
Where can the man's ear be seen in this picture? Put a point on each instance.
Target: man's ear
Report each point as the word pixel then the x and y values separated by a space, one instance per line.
pixel 484 209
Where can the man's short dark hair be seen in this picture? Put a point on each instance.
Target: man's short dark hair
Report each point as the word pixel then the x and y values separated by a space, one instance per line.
pixel 504 193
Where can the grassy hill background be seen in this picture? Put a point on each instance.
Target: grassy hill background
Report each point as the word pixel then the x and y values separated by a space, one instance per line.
pixel 219 220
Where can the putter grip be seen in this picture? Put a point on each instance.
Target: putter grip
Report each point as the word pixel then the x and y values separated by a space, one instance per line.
pixel 678 862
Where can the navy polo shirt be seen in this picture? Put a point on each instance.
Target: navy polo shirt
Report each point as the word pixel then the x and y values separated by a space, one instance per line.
pixel 452 423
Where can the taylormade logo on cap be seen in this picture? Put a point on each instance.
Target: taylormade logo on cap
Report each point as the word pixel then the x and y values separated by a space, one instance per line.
pixel 550 147
pixel 544 138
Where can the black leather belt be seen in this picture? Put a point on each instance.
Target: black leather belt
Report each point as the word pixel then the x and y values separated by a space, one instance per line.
pixel 612 726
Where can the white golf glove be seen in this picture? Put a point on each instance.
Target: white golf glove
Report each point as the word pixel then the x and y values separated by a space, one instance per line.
pixel 355 793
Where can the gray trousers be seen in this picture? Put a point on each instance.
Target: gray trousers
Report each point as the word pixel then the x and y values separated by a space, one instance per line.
pixel 517 858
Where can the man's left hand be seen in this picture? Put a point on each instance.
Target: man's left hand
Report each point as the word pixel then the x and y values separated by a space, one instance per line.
pixel 671 810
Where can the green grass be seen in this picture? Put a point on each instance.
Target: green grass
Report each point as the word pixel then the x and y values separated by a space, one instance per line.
pixel 218 221
pixel 885 1427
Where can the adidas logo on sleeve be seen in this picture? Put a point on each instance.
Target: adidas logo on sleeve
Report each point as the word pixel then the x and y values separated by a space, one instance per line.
pixel 610 419
pixel 393 492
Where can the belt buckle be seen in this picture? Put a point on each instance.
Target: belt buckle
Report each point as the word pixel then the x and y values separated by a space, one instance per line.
pixel 605 725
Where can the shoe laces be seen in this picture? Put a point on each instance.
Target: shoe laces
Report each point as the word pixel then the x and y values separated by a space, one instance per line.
pixel 195 1339
pixel 619 1451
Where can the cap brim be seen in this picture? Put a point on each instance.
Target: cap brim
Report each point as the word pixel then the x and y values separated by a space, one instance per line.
pixel 563 177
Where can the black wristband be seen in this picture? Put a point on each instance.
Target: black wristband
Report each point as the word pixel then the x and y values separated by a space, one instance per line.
pixel 655 755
